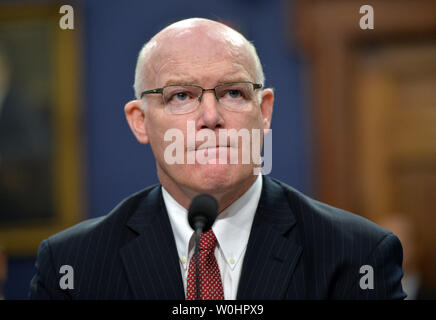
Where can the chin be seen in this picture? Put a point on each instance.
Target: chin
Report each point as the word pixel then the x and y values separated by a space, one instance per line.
pixel 218 178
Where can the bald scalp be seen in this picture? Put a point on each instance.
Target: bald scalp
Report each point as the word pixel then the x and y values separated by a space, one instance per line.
pixel 195 36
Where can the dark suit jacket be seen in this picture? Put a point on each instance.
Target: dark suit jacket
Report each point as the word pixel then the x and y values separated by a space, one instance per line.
pixel 298 248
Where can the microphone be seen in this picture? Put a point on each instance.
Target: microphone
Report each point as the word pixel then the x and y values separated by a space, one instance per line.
pixel 201 216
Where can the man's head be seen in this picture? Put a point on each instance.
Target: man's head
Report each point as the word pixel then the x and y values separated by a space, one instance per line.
pixel 204 53
pixel 194 31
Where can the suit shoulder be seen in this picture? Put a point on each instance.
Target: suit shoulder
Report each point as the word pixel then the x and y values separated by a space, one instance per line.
pixel 336 221
pixel 95 226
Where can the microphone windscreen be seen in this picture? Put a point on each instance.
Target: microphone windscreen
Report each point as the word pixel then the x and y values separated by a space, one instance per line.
pixel 203 209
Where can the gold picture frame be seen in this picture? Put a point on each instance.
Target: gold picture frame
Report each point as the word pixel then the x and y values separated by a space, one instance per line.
pixel 57 85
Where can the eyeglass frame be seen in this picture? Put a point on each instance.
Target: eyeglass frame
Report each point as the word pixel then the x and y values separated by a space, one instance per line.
pixel 160 90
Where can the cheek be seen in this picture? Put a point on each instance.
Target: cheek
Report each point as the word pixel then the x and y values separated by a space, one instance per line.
pixel 251 120
pixel 159 125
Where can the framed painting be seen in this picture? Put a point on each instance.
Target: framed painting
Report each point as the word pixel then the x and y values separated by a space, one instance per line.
pixel 40 151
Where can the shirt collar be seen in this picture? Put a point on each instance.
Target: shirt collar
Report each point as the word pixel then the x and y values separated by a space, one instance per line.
pixel 231 228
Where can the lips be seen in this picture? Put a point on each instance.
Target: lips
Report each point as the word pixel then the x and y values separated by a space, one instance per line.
pixel 202 145
pixel 210 139
pixel 211 147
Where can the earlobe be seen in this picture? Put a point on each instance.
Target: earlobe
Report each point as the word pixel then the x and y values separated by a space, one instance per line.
pixel 135 116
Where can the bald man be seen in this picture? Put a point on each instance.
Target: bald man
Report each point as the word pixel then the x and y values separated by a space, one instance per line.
pixel 197 83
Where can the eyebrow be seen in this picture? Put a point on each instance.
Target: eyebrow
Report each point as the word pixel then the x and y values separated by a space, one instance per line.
pixel 194 81
pixel 176 81
pixel 235 79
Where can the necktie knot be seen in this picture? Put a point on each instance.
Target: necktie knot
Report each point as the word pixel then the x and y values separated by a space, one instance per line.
pixel 208 240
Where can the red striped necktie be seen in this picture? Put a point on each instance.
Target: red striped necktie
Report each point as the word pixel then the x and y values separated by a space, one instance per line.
pixel 211 286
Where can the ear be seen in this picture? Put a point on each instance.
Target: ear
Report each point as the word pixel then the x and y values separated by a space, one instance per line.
pixel 135 116
pixel 266 108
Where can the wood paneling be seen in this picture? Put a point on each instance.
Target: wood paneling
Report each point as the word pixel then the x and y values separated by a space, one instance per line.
pixel 374 110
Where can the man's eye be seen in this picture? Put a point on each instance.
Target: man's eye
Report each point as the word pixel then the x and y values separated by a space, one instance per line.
pixel 234 94
pixel 180 96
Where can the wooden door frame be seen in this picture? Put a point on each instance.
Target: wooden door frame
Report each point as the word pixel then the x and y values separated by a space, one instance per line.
pixel 328 33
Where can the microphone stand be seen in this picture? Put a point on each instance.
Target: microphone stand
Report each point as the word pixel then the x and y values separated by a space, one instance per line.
pixel 201 216
pixel 197 263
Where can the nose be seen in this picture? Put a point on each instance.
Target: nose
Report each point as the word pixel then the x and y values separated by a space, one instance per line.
pixel 210 116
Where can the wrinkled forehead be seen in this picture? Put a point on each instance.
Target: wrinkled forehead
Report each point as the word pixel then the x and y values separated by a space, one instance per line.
pixel 187 43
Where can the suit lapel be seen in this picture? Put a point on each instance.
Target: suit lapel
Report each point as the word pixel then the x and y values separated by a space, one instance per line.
pixel 272 251
pixel 151 259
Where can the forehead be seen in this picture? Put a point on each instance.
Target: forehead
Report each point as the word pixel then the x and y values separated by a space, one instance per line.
pixel 202 71
pixel 199 55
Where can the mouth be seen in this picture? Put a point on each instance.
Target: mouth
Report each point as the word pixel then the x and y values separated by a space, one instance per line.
pixel 208 146
pixel 212 147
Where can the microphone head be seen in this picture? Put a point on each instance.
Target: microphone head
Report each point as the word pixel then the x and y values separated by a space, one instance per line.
pixel 202 212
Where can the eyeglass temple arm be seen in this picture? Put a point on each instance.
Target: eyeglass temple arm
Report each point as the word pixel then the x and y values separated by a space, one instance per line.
pixel 158 90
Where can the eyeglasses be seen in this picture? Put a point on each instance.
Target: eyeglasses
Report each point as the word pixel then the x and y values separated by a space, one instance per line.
pixel 181 99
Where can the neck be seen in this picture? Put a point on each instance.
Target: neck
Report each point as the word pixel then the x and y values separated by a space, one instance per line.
pixel 184 194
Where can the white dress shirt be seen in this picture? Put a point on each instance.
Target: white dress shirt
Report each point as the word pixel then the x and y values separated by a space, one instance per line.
pixel 231 228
